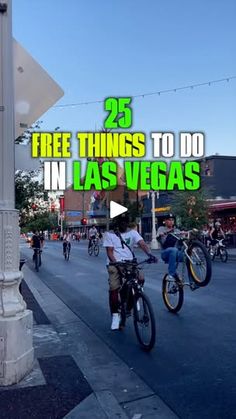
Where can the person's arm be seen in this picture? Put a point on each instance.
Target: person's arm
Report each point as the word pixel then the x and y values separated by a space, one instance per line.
pixel 110 254
pixel 211 232
pixel 144 247
pixel 222 233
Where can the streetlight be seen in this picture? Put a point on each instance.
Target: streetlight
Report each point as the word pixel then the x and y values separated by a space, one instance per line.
pixel 154 242
pixel 16 323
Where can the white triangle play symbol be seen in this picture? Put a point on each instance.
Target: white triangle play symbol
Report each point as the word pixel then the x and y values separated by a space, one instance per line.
pixel 116 209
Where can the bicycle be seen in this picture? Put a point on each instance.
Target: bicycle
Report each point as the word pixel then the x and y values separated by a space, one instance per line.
pixel 93 248
pixel 134 301
pixel 198 263
pixel 219 249
pixel 66 251
pixel 37 258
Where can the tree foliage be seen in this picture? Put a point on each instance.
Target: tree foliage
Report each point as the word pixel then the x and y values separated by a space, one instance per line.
pixel 41 221
pixel 28 191
pixel 191 208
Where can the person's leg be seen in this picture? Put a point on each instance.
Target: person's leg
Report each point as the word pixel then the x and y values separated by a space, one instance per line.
pixel 169 256
pixel 114 285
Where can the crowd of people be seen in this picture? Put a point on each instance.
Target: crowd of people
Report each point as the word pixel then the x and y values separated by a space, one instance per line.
pixel 120 241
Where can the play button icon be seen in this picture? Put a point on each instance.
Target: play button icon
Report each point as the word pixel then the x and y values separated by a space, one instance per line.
pixel 116 209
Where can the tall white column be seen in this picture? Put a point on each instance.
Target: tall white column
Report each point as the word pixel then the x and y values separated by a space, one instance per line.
pixel 154 242
pixel 16 350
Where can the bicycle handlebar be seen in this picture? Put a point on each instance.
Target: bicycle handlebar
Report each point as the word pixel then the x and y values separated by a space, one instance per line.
pixel 180 236
pixel 132 262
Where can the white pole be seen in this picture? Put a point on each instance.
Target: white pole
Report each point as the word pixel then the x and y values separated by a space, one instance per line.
pixel 16 323
pixel 154 242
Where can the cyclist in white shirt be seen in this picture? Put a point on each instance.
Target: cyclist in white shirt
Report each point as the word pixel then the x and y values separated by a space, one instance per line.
pixel 66 240
pixel 119 244
pixel 92 234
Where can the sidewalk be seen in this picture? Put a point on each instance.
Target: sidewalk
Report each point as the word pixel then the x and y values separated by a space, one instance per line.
pixel 75 373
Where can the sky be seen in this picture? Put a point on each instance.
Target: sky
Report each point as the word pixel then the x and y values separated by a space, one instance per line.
pixel 96 49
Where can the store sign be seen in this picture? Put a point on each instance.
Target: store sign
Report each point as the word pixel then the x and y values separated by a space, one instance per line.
pixel 73 213
pixel 162 209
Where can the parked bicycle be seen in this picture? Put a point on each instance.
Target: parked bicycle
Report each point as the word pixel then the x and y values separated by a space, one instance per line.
pixel 219 249
pixel 198 264
pixel 37 258
pixel 133 301
pixel 93 248
pixel 66 251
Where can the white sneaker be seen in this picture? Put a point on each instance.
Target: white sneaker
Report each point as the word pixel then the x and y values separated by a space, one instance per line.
pixel 115 324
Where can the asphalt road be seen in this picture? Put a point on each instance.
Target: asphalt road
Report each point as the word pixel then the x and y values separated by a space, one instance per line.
pixel 193 365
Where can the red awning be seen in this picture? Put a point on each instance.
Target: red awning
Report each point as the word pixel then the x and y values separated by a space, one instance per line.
pixel 223 205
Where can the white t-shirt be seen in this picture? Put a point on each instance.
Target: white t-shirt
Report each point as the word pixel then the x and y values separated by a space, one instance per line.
pixel 131 237
pixel 92 232
pixel 67 237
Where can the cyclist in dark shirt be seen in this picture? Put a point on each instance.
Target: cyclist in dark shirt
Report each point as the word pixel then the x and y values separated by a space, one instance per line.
pixel 216 233
pixel 35 241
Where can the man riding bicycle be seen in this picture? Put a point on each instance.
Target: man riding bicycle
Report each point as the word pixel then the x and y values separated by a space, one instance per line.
pixel 36 242
pixel 66 242
pixel 216 233
pixel 93 234
pixel 170 253
pixel 119 243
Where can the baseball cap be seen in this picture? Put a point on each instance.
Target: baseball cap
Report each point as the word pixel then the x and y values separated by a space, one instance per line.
pixel 168 216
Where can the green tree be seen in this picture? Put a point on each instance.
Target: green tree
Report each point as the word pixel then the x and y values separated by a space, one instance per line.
pixel 29 191
pixel 42 221
pixel 190 208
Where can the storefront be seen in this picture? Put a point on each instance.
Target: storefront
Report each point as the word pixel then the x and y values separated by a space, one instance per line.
pixel 225 211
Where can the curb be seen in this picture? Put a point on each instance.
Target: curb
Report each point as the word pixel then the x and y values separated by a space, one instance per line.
pixel 103 403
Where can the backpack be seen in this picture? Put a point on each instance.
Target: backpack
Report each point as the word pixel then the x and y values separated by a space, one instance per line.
pixel 170 241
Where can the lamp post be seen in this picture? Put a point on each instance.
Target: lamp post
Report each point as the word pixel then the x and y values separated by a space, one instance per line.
pixel 16 323
pixel 108 210
pixel 154 242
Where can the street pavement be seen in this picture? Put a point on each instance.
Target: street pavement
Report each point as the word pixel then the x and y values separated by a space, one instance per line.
pixel 190 373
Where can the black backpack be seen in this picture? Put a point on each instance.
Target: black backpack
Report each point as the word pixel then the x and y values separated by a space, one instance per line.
pixel 170 241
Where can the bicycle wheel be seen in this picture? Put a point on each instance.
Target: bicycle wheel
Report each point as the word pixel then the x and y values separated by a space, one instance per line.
pixel 67 254
pixel 223 255
pixel 199 268
pixel 122 316
pixel 173 294
pixel 144 321
pixel 40 259
pixel 90 250
pixel 36 261
pixel 96 250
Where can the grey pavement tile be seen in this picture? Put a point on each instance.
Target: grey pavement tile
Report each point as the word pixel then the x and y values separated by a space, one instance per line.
pixel 110 405
pixel 149 407
pixel 87 409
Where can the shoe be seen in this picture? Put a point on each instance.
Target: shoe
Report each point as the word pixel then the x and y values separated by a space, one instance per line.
pixel 194 286
pixel 174 278
pixel 115 324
